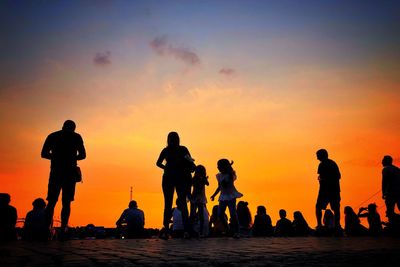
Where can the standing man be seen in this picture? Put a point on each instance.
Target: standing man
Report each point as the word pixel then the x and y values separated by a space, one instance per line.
pixel 390 185
pixel 329 187
pixel 63 148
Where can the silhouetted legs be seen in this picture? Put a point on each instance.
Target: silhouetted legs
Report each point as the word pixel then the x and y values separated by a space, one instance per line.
pixel 182 193
pixel 231 204
pixel 318 213
pixel 168 190
pixel 199 207
pixel 390 205
pixel 65 212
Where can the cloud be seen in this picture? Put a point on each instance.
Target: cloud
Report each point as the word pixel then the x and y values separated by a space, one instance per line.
pixel 227 71
pixel 102 59
pixel 162 47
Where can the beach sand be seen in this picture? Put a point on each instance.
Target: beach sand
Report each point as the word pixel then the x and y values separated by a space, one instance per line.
pixel 308 251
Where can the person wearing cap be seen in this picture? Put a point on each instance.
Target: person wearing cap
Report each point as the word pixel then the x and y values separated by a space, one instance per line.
pixel 63 148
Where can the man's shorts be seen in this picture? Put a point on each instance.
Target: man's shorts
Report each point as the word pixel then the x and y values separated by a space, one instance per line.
pixel 60 181
pixel 328 197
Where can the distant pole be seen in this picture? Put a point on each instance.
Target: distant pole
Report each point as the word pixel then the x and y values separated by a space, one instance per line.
pixel 131 194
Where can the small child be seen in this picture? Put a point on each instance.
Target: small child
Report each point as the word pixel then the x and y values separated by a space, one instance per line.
pixel 198 198
pixel 229 194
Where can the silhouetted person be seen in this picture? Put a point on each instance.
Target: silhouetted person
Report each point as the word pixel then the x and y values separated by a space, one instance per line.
pixel 299 225
pixel 328 224
pixel 283 225
pixel 262 223
pixel 133 217
pixel 8 219
pixel 63 148
pixel 244 217
pixel 352 225
pixel 178 228
pixel 198 197
pixel 35 226
pixel 374 220
pixel 390 185
pixel 177 175
pixel 218 226
pixel 329 187
pixel 228 193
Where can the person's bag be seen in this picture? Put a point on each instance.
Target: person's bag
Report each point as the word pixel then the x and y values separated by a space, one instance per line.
pixel 78 174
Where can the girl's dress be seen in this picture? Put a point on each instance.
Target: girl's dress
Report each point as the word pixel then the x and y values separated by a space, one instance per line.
pixel 227 187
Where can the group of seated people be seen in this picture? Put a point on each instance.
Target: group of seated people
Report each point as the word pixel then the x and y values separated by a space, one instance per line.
pixel 131 223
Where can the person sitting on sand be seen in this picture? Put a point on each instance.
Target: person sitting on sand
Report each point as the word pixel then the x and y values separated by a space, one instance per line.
pixel 262 223
pixel 35 226
pixel 283 225
pixel 373 217
pixel 134 220
pixel 352 225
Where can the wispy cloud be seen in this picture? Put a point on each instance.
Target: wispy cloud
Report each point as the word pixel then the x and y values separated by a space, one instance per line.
pixel 102 59
pixel 162 47
pixel 227 71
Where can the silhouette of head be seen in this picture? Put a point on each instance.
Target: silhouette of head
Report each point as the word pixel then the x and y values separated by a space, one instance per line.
pixel 173 139
pixel 4 199
pixel 372 207
pixel 282 213
pixel 200 171
pixel 349 210
pixel 322 154
pixel 328 213
pixel 132 204
pixel 69 126
pixel 261 210
pixel 387 160
pixel 39 204
pixel 298 216
pixel 224 166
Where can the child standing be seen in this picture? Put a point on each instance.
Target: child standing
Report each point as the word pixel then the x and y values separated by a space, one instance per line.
pixel 198 198
pixel 229 194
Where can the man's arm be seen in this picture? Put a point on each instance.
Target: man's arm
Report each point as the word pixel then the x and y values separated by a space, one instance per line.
pixel 46 150
pixel 81 150
pixel 384 183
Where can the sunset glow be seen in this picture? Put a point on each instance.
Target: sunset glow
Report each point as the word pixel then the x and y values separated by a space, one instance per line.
pixel 263 83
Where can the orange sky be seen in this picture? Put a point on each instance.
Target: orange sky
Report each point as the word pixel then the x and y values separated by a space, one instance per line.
pixel 267 95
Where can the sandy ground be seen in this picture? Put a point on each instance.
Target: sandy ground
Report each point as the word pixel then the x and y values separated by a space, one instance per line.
pixel 309 251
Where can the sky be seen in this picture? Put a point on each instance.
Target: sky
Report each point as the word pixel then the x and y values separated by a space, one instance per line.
pixel 263 83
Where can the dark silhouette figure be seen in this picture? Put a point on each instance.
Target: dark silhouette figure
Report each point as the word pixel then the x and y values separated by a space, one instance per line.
pixel 329 187
pixel 198 197
pixel 218 226
pixel 8 219
pixel 131 222
pixel 352 225
pixel 374 219
pixel 63 148
pixel 177 227
pixel 390 185
pixel 283 225
pixel 227 198
pixel 328 224
pixel 262 223
pixel 35 226
pixel 244 217
pixel 177 176
pixel 299 225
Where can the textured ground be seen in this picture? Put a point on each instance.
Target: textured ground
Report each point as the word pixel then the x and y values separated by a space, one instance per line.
pixel 310 251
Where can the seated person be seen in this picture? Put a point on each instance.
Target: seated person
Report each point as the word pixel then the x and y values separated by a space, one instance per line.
pixel 35 226
pixel 262 223
pixel 283 225
pixel 216 226
pixel 132 221
pixel 299 225
pixel 244 218
pixel 373 217
pixel 8 219
pixel 352 225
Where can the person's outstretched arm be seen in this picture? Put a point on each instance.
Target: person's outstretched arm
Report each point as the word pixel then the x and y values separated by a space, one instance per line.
pixel 215 193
